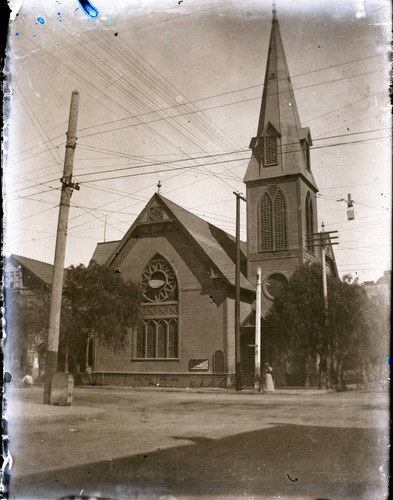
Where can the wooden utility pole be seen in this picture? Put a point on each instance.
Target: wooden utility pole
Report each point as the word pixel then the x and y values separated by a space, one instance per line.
pixel 324 277
pixel 258 343
pixel 58 268
pixel 323 239
pixel 238 364
pixel 105 228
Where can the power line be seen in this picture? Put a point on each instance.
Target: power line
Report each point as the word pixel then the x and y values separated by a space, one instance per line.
pixel 243 89
pixel 124 154
pixel 199 165
pixel 215 107
pixel 217 162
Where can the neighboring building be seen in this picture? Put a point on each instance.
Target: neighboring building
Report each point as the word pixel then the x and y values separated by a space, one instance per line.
pixel 186 266
pixel 28 282
pixel 382 286
pixel 379 293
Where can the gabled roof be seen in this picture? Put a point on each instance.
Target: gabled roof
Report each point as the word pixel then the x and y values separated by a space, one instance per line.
pixel 330 257
pixel 41 270
pixel 103 251
pixel 218 245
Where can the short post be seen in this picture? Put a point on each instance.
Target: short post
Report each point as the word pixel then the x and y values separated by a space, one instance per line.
pixel 258 343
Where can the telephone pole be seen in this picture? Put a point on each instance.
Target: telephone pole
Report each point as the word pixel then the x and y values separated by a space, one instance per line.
pixel 323 239
pixel 58 268
pixel 238 364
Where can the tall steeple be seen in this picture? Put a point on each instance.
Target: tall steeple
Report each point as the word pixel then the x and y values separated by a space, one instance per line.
pixel 281 190
pixel 281 146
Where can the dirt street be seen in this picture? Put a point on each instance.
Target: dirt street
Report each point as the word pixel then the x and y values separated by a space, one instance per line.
pixel 161 443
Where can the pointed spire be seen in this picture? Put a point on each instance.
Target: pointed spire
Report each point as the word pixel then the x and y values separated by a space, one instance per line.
pixel 278 101
pixel 279 120
pixel 274 12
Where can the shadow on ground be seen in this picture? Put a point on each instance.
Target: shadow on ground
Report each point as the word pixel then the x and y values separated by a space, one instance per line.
pixel 292 461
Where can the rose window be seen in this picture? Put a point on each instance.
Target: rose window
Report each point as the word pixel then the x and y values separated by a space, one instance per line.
pixel 159 282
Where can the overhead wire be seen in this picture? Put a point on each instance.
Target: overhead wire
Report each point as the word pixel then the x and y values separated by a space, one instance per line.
pixel 313 71
pixel 220 161
pixel 150 80
pixel 259 86
pixel 214 107
pixel 247 158
pixel 150 172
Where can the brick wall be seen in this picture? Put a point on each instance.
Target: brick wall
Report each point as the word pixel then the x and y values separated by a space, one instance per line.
pixel 245 309
pixel 283 262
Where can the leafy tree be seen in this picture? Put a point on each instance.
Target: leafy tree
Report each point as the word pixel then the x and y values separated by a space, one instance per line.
pixel 377 332
pixel 346 328
pixel 26 328
pixel 96 301
pixel 297 322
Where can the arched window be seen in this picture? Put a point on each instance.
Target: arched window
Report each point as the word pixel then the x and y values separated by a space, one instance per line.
pixel 270 143
pixel 305 145
pixel 158 333
pixel 273 221
pixel 309 223
pixel 218 362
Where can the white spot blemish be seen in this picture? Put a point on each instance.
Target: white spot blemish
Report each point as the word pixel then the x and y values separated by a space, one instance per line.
pixel 15 6
pixel 361 12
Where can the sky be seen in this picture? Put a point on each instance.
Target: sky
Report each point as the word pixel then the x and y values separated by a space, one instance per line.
pixel 167 85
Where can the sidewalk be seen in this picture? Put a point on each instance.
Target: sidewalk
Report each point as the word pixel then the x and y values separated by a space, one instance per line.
pixel 287 391
pixel 25 406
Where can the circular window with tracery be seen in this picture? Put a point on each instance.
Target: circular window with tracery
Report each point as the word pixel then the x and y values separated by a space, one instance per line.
pixel 273 285
pixel 159 282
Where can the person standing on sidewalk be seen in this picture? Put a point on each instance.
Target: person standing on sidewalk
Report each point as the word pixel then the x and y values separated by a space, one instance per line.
pixel 268 385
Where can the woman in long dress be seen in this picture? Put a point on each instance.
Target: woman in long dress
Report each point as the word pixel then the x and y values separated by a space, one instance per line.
pixel 268 379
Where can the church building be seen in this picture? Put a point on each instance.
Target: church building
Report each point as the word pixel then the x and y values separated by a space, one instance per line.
pixel 186 266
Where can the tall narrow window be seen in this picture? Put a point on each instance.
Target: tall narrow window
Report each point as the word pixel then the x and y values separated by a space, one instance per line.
pixel 140 342
pixel 151 339
pixel 270 150
pixel 306 153
pixel 173 339
pixel 266 223
pixel 161 339
pixel 273 221
pixel 157 335
pixel 280 222
pixel 309 223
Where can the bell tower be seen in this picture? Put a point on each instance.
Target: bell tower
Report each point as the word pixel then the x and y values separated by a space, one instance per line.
pixel 281 190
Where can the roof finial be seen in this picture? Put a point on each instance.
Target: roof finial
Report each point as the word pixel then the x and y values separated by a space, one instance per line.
pixel 274 12
pixel 159 187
